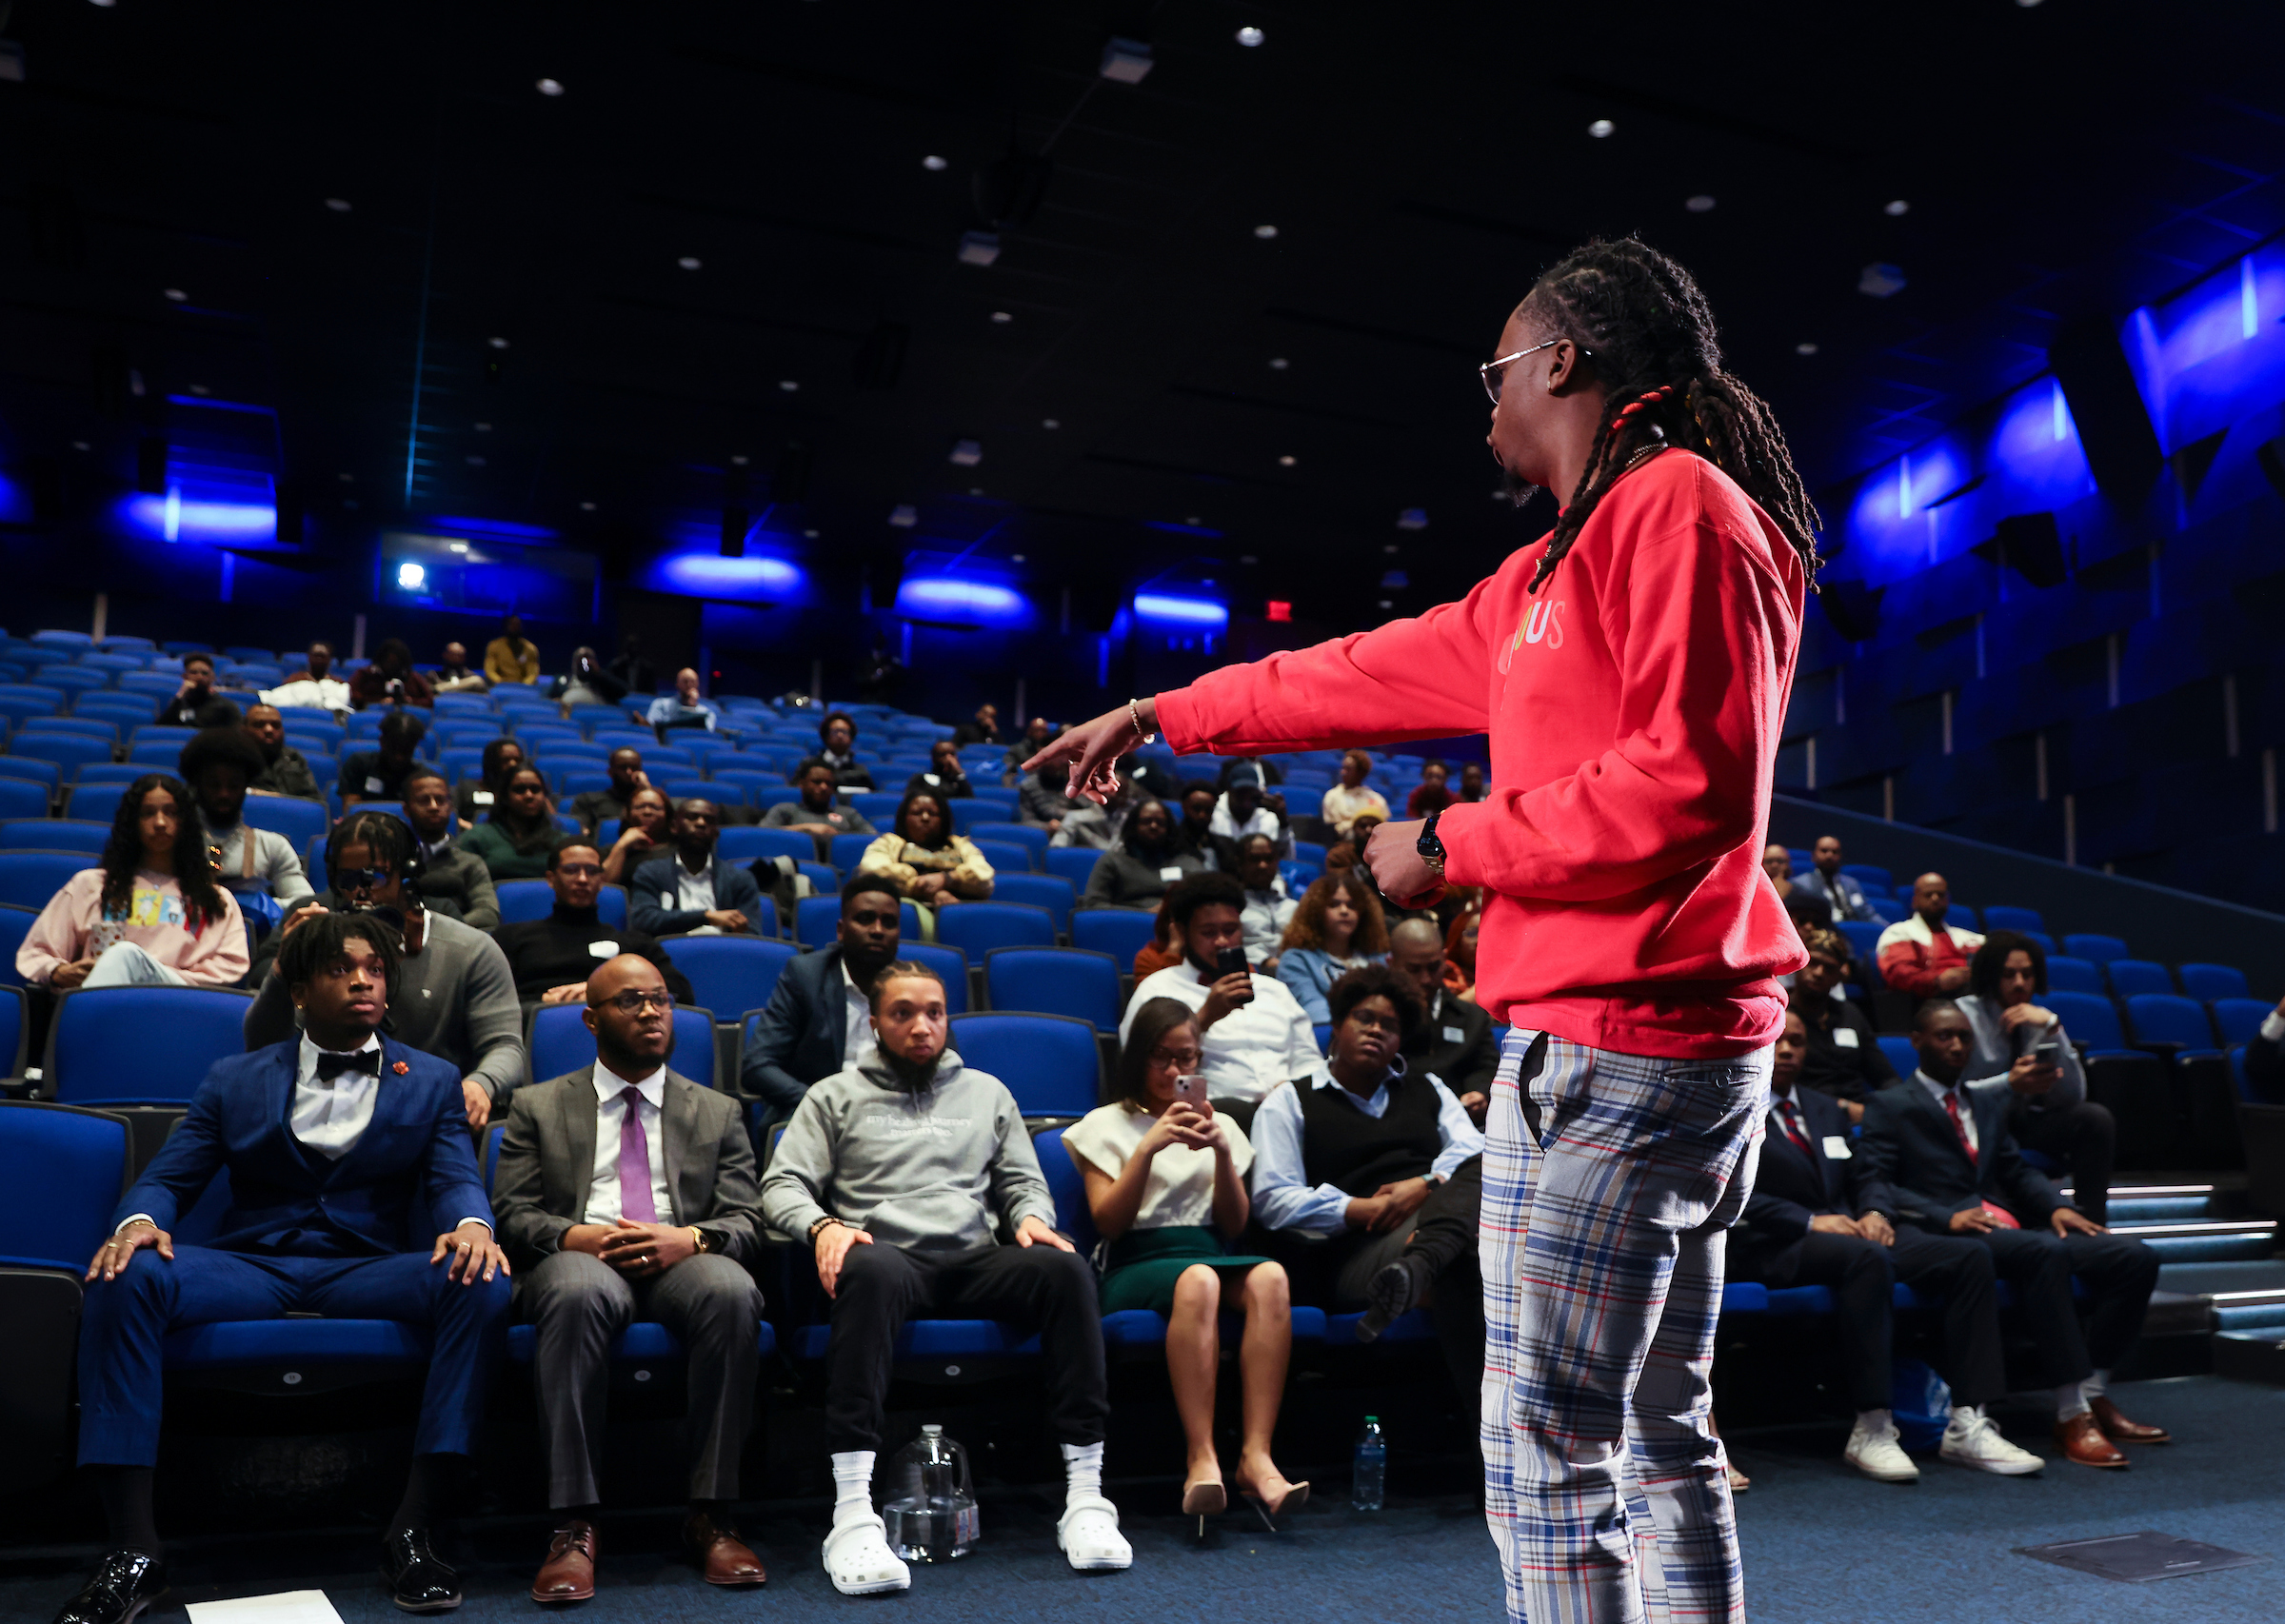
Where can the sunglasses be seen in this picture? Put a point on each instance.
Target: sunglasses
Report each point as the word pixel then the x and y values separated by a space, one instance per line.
pixel 1490 371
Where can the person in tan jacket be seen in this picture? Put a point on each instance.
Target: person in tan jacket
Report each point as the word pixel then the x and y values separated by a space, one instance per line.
pixel 512 657
pixel 929 863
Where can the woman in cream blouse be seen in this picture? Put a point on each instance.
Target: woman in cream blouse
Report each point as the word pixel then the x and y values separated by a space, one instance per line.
pixel 929 863
pixel 1166 1179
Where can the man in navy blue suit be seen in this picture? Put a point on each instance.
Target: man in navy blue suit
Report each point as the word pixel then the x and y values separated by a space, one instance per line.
pixel 1821 1214
pixel 818 1021
pixel 340 1146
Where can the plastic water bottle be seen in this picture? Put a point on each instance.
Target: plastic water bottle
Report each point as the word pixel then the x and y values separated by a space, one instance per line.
pixel 1371 1467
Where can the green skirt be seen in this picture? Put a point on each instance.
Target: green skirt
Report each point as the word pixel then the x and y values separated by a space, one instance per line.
pixel 1144 1263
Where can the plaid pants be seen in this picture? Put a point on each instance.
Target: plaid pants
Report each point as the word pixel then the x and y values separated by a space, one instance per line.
pixel 1609 1181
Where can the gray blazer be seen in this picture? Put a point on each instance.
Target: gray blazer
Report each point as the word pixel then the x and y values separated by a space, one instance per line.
pixel 548 1162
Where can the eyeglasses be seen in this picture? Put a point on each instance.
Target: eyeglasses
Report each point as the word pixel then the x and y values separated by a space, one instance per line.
pixel 362 878
pixel 1490 372
pixel 630 1002
pixel 1186 1058
pixel 578 870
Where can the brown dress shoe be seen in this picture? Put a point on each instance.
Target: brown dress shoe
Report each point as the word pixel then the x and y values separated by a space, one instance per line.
pixel 568 1574
pixel 721 1555
pixel 2080 1440
pixel 2119 1429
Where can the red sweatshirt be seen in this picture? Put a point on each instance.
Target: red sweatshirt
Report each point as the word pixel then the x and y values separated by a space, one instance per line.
pixel 1634 706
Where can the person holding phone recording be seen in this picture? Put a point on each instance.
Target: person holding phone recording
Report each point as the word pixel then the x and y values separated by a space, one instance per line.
pixel 1165 1177
pixel 1255 1034
pixel 2023 1050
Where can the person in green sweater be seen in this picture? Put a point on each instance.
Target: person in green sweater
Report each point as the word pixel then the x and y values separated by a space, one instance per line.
pixel 515 840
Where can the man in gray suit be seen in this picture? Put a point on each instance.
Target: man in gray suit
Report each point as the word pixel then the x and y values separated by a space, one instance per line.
pixel 627 1192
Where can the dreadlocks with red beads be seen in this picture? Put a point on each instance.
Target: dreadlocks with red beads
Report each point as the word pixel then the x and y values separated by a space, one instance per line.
pixel 1651 335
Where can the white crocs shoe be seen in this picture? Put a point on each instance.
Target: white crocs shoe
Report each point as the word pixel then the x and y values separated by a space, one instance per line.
pixel 1874 1451
pixel 1088 1533
pixel 859 1561
pixel 1973 1438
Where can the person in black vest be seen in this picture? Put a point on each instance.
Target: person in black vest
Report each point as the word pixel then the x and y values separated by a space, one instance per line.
pixel 1820 1216
pixel 1383 1169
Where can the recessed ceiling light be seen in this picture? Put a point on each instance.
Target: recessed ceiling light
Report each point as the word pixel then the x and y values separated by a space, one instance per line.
pixel 484 428
pixel 788 384
pixel 904 515
pixel 1806 346
pixel 475 461
pixel 550 88
pixel 1015 558
pixel 587 507
pixel 1702 204
pixel 1194 520
pixel 1390 547
pixel 1603 130
pixel 1412 519
pixel 1896 206
pixel 1051 423
pixel 338 205
pixel 811 534
pixel 1386 603
pixel 738 459
pixel 934 163
pixel 1248 558
pixel 103 5
pixel 348 479
pixel 81 445
pixel 1499 496
pixel 1250 36
pixel 1002 317
pixel 967 453
pixel 200 390
pixel 975 490
pixel 2027 5
pixel 689 261
pixel 177 294
pixel 1286 461
pixel 458 547
pixel 497 342
pixel 1265 231
pixel 1276 363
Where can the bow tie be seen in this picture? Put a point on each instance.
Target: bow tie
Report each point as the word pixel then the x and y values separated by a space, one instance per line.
pixel 330 1066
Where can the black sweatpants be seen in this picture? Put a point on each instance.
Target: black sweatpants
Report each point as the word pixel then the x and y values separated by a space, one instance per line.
pixel 1040 1287
pixel 2083 1137
pixel 1442 1236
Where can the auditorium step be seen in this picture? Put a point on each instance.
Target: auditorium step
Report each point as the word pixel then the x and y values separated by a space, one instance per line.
pixel 2191 1224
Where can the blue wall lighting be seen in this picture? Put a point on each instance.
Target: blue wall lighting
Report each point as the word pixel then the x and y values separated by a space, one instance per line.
pixel 182 516
pixel 961 601
pixel 1167 609
pixel 756 577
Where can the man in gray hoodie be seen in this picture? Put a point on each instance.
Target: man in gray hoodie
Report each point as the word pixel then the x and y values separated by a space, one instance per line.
pixel 896 1171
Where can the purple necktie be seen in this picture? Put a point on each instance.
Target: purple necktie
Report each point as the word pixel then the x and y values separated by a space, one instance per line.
pixel 634 1164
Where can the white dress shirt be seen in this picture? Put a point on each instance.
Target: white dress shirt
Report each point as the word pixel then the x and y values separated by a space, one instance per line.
pixel 1283 1200
pixel 694 892
pixel 611 1125
pixel 330 1115
pixel 1967 1105
pixel 858 1043
pixel 1249 1051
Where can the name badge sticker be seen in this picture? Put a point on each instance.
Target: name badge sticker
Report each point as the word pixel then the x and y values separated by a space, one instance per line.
pixel 603 950
pixel 1172 871
pixel 373 786
pixel 1837 1147
pixel 1455 1035
pixel 1844 1037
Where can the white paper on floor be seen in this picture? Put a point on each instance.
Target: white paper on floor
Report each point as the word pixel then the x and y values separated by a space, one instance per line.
pixel 287 1607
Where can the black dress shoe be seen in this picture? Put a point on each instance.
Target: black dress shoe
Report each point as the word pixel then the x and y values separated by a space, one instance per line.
pixel 128 1582
pixel 1389 1294
pixel 418 1582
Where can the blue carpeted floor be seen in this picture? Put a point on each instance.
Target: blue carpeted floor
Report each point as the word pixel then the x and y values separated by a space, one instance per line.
pixel 1822 1546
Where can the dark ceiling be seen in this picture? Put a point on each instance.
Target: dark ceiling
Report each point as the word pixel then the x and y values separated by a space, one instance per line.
pixel 1418 165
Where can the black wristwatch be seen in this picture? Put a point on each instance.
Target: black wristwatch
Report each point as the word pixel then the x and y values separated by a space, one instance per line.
pixel 1429 846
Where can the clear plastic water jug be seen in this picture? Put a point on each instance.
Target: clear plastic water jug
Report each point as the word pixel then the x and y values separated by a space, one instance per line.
pixel 930 1512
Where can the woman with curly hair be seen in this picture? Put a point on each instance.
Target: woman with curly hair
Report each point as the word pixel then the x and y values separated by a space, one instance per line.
pixel 1337 928
pixel 150 915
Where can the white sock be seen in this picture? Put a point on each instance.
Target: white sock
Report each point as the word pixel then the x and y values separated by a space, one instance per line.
pixel 2096 1385
pixel 2070 1402
pixel 853 1483
pixel 1871 1420
pixel 1082 1468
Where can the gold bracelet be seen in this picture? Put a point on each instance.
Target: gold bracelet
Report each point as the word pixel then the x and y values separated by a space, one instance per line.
pixel 1135 716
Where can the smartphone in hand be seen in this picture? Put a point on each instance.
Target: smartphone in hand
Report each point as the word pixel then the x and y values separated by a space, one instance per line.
pixel 1190 1090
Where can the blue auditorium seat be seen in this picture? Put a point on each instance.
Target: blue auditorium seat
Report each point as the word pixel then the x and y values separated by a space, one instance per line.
pixel 21 798
pixel 2000 917
pixel 15 923
pixel 63 749
pixel 1075 863
pixel 2170 1018
pixel 2236 1018
pixel 53 834
pixel 1055 980
pixel 1029 836
pixel 298 821
pixel 1900 1053
pixel 64 1168
pixel 976 928
pixel 95 802
pixel 846 850
pixel 816 920
pixel 30 878
pixel 1121 932
pixel 2134 978
pixel 2068 975
pixel 2090 1020
pixel 1050 1062
pixel 557 1041
pixel 642 1346
pixel 730 975
pixel 983 806
pixel 2210 982
pixel 522 900
pixel 99 1048
pixel 742 844
pixel 879 806
pixel 1050 891
pixel 2102 949
pixel 951 966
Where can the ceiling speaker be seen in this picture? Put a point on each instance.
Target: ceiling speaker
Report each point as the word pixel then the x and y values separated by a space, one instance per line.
pixel 2114 427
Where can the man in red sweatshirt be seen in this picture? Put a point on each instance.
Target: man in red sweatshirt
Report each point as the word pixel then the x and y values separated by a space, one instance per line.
pixel 1631 669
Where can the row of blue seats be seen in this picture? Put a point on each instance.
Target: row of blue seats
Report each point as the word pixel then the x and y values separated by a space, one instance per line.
pixel 2088 963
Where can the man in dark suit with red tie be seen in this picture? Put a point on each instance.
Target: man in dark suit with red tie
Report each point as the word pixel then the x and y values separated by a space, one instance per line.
pixel 1946 1154
pixel 1820 1215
